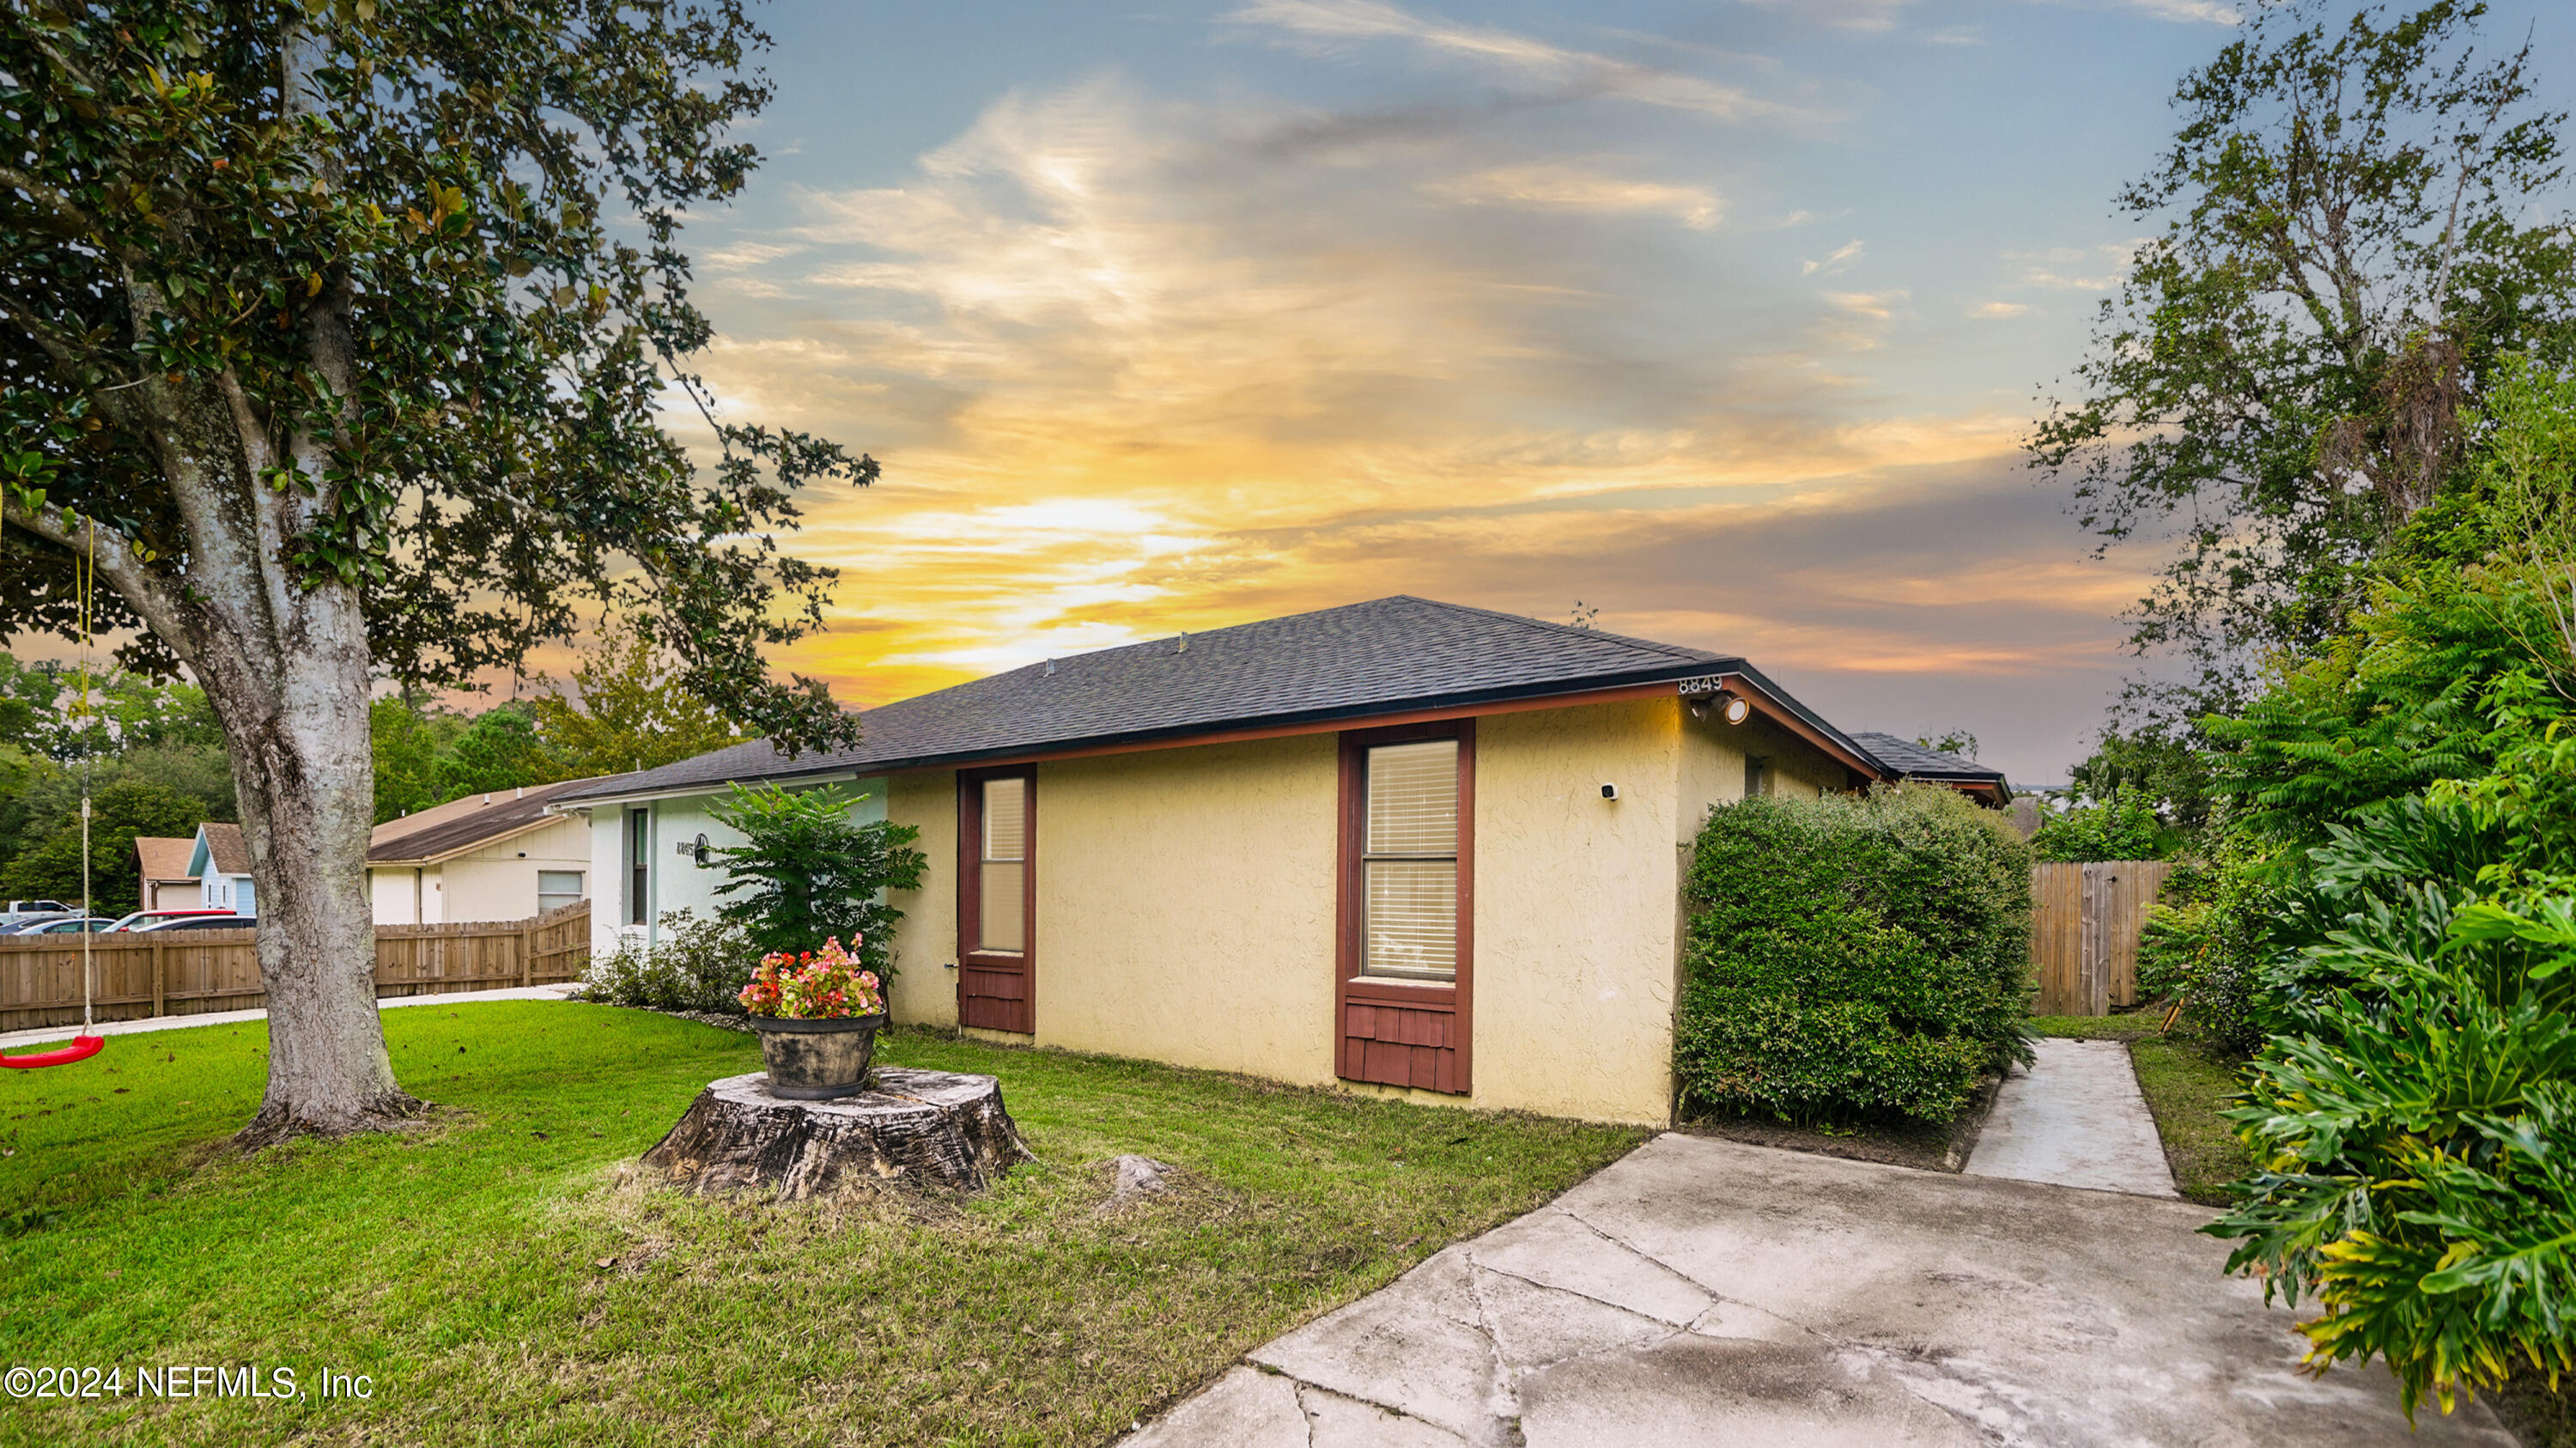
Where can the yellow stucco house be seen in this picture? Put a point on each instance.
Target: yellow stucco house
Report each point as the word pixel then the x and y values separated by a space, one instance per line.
pixel 1402 846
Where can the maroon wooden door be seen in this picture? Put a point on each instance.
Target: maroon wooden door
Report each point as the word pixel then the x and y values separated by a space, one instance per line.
pixel 1405 957
pixel 997 916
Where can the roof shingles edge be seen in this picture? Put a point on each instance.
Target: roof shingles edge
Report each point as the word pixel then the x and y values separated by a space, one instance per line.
pixel 1384 656
pixel 227 853
pixel 1915 761
pixel 506 815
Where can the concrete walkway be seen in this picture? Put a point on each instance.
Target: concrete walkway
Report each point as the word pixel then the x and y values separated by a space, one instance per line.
pixel 46 1034
pixel 1704 1292
pixel 2075 1118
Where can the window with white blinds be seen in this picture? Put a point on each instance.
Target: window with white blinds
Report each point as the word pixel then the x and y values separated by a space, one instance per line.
pixel 557 888
pixel 1409 862
pixel 999 901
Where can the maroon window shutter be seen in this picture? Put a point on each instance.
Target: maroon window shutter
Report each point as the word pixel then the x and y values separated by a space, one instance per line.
pixel 997 869
pixel 1390 1029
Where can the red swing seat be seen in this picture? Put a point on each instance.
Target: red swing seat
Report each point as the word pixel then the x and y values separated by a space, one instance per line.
pixel 81 1049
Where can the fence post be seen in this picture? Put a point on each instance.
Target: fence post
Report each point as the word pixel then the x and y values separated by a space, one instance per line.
pixel 160 974
pixel 527 951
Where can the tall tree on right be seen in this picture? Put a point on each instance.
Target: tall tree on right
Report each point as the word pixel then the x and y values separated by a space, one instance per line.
pixel 2358 224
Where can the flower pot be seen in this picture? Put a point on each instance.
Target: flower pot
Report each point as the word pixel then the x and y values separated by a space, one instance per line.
pixel 817 1060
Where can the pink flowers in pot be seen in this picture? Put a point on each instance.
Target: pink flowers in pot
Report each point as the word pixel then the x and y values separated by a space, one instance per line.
pixel 814 985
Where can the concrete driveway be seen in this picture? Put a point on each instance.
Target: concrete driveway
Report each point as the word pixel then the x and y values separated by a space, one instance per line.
pixel 1704 1292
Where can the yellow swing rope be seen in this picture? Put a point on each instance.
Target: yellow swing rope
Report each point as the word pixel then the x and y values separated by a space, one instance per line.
pixel 85 568
pixel 85 575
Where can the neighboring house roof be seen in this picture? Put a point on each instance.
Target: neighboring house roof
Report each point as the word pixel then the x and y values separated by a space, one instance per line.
pixel 1386 656
pixel 218 849
pixel 470 822
pixel 164 858
pixel 1910 760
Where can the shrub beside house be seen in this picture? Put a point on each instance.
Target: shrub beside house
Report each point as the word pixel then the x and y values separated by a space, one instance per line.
pixel 1853 957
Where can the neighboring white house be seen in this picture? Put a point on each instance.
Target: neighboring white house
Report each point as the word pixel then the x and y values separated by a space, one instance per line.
pixel 644 851
pixel 496 856
pixel 220 861
pixel 167 885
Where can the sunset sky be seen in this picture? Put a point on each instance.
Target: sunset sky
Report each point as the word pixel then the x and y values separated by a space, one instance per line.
pixel 1724 318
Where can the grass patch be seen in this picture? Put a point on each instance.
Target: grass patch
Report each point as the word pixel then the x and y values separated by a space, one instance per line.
pixel 2099 1028
pixel 2186 1086
pixel 505 1277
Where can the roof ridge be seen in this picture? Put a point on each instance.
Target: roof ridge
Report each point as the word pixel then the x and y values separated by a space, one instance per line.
pixel 1678 651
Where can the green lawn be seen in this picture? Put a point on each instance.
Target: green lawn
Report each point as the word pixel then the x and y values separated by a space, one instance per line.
pixel 2098 1028
pixel 2186 1086
pixel 504 1277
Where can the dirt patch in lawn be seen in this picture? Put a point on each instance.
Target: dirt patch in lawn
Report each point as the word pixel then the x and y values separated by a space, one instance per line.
pixel 2539 1415
pixel 1924 1146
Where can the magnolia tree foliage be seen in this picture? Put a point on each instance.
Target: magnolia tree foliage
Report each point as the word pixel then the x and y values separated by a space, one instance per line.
pixel 336 334
pixel 2357 221
pixel 413 269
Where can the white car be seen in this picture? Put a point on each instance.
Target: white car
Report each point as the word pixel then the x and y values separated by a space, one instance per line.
pixel 25 912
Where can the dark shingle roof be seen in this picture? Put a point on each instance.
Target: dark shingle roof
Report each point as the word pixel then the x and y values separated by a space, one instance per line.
pixel 1384 656
pixel 1912 760
pixel 406 841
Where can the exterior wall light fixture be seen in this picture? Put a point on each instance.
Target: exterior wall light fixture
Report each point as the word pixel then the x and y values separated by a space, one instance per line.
pixel 1703 694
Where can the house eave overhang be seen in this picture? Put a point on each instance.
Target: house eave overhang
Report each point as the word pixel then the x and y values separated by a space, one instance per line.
pixel 833 774
pixel 1684 679
pixel 1775 704
pixel 1990 789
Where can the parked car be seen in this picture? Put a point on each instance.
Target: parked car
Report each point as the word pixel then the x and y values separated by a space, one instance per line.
pixel 68 925
pixel 219 920
pixel 25 912
pixel 142 918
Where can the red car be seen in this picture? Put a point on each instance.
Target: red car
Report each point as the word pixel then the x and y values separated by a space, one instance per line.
pixel 141 918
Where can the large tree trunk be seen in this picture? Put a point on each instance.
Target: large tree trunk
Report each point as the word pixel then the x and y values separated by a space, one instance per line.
pixel 295 722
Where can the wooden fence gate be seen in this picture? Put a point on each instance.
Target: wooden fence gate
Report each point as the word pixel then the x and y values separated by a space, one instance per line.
pixel 2085 921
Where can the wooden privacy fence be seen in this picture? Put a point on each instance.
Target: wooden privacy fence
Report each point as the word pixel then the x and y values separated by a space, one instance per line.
pixel 193 972
pixel 2085 921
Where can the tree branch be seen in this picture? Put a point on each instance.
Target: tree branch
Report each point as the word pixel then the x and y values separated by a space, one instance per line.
pixel 53 201
pixel 149 595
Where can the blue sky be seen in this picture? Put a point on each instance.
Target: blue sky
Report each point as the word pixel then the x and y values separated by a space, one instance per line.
pixel 1722 318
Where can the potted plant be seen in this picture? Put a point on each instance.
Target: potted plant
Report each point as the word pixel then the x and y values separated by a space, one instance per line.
pixel 817 1013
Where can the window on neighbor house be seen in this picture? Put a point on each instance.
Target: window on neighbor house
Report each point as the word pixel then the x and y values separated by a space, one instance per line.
pixel 1409 862
pixel 639 877
pixel 557 888
pixel 1000 899
pixel 1757 775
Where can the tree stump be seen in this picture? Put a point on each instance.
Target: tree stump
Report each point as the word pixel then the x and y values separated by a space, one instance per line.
pixel 911 1127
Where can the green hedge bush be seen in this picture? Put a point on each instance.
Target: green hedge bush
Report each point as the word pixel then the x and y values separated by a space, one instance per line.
pixel 1853 957
pixel 696 965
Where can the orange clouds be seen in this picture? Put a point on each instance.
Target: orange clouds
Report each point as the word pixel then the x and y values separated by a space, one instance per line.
pixel 1134 365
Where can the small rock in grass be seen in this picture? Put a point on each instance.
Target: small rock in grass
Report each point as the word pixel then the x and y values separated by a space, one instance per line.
pixel 1136 1175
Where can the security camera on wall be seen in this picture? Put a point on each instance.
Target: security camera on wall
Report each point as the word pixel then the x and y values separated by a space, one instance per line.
pixel 1609 791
